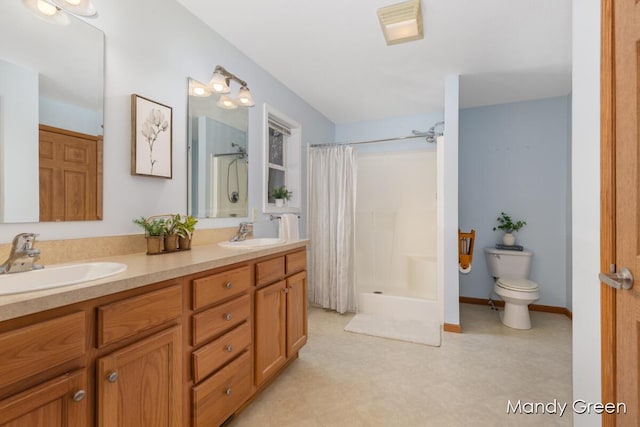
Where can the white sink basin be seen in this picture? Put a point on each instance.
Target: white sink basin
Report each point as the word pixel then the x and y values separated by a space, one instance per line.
pixel 55 276
pixel 252 243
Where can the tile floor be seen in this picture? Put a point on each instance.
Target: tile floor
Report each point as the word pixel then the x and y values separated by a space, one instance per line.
pixel 347 379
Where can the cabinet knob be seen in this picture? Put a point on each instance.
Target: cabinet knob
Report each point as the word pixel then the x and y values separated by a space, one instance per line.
pixel 228 285
pixel 79 395
pixel 228 316
pixel 112 377
pixel 229 348
pixel 228 392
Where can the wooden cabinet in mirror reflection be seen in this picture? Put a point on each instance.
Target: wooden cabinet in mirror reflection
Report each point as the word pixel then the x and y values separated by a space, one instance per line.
pixel 70 175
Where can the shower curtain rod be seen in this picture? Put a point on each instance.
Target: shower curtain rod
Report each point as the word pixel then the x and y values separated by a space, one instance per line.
pixel 329 144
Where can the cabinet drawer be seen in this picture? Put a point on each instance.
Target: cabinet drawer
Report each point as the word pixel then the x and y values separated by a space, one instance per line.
pixel 128 317
pixel 211 289
pixel 211 322
pixel 269 271
pixel 212 356
pixel 36 348
pixel 296 261
pixel 219 396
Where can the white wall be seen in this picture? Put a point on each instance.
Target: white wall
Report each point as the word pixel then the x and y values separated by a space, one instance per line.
pixel 586 205
pixel 152 47
pixel 448 203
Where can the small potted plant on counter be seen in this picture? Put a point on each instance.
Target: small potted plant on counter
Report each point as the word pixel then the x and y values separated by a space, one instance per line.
pixel 506 224
pixel 185 226
pixel 154 232
pixel 170 234
pixel 280 194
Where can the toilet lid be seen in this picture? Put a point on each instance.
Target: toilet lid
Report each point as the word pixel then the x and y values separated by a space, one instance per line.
pixel 521 285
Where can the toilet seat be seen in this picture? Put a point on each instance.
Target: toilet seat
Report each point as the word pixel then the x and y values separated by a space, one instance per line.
pixel 519 285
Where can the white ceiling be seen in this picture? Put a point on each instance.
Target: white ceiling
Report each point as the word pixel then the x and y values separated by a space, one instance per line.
pixel 332 52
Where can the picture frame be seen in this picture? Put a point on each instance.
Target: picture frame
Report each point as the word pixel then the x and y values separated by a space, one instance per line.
pixel 151 138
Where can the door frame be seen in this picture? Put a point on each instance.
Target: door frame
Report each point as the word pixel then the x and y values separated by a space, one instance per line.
pixel 607 207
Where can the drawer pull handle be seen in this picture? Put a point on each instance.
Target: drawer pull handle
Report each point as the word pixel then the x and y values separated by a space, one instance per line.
pixel 228 392
pixel 112 377
pixel 229 348
pixel 228 285
pixel 79 395
pixel 228 316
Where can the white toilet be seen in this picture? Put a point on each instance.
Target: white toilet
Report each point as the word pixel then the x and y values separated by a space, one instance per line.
pixel 510 271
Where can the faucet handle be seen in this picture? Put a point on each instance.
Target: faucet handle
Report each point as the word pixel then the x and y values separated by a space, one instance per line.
pixel 24 241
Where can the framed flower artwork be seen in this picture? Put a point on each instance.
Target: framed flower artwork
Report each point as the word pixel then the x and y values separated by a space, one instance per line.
pixel 151 138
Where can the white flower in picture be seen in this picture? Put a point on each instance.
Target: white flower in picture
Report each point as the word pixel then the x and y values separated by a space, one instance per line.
pixel 152 127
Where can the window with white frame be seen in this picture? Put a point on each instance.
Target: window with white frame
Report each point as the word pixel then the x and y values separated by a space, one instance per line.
pixel 282 160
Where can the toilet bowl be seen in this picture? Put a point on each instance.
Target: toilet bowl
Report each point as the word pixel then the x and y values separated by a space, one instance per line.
pixel 517 294
pixel 510 270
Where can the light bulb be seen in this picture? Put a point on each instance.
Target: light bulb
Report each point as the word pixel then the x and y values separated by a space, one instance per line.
pixel 46 8
pixel 199 91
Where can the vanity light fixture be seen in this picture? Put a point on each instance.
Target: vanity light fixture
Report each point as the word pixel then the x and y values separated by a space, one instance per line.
pixel 401 22
pixel 219 83
pixel 226 103
pixel 53 11
pixel 76 7
pixel 198 89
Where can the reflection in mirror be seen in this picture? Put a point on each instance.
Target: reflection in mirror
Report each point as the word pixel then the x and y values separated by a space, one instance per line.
pixel 51 115
pixel 218 173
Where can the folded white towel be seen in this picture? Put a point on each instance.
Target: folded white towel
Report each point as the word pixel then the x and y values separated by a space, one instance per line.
pixel 289 227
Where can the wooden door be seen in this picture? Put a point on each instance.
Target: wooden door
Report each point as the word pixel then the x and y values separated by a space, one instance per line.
pixel 141 384
pixel 61 402
pixel 70 186
pixel 620 209
pixel 296 313
pixel 270 330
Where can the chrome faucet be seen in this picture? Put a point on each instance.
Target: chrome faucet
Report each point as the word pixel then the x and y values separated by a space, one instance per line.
pixel 23 256
pixel 244 229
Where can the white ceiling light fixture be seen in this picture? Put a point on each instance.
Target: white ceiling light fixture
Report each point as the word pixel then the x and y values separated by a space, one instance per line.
pixel 401 22
pixel 219 83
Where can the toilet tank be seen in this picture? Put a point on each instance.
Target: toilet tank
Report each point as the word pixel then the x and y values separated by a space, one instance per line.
pixel 508 264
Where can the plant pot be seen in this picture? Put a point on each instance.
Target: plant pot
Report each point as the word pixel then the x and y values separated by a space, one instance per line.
pixel 154 245
pixel 509 239
pixel 184 243
pixel 171 243
pixel 279 203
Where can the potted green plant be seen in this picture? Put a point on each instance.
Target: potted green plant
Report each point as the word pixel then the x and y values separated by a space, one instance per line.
pixel 170 234
pixel 154 232
pixel 185 226
pixel 280 194
pixel 506 224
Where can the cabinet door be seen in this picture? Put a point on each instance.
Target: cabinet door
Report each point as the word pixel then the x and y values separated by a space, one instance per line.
pixel 141 384
pixel 60 402
pixel 270 329
pixel 296 313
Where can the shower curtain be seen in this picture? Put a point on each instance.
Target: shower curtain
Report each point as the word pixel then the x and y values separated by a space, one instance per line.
pixel 332 201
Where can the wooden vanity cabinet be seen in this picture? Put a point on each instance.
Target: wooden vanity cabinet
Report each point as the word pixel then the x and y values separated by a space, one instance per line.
pixel 222 342
pixel 140 384
pixel 191 351
pixel 280 315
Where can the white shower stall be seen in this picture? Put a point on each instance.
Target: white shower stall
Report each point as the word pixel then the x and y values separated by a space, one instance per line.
pixel 396 246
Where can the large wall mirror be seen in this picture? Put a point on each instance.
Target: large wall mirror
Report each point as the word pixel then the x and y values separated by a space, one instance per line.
pixel 51 117
pixel 218 160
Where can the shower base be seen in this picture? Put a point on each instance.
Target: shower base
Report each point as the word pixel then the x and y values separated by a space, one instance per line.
pixel 378 325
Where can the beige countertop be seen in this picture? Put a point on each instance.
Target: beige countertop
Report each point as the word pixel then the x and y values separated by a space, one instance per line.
pixel 141 270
